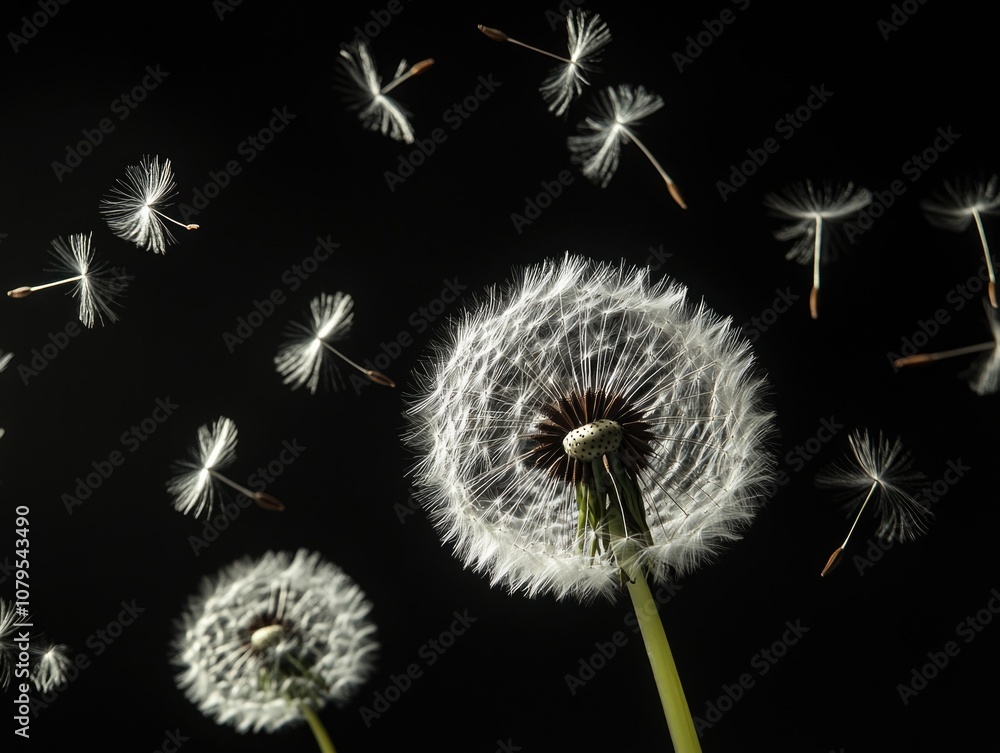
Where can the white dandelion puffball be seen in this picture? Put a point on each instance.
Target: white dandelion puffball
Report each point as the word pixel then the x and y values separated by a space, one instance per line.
pixel 264 636
pixel 97 286
pixel 51 666
pixel 193 486
pixel 581 390
pixel 304 359
pixel 807 205
pixel 587 35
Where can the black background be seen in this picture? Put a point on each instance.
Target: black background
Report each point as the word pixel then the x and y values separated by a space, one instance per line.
pixel 347 494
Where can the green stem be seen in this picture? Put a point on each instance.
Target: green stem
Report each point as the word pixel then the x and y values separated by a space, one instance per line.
pixel 325 743
pixel 668 682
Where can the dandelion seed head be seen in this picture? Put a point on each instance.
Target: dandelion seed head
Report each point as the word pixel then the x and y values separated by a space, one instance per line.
pixel 567 345
pixel 597 146
pixel 901 514
pixel 587 36
pixel 130 209
pixel 193 485
pixel 984 376
pixel 364 92
pixel 8 645
pixel 264 636
pixel 806 202
pixel 303 360
pixel 98 288
pixel 50 668
pixel 955 205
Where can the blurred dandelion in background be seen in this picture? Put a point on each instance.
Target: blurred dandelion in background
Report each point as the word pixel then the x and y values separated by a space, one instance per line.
pixel 587 36
pixel 194 485
pixel 880 472
pixel 132 209
pixel 585 428
pixel 51 665
pixel 812 207
pixel 597 147
pixel 377 111
pixel 984 376
pixel 96 285
pixel 267 642
pixel 958 205
pixel 304 358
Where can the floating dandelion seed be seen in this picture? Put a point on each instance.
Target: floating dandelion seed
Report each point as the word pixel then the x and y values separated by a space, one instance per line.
pixel 958 205
pixel 597 148
pixel 377 111
pixel 96 285
pixel 304 359
pixel 586 427
pixel 193 488
pixel 984 377
pixel 810 206
pixel 587 35
pixel 880 471
pixel 132 209
pixel 51 667
pixel 268 642
pixel 8 645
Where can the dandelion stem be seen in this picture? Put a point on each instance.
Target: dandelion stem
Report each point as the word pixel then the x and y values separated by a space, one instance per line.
pixel 668 682
pixel 671 186
pixel 265 500
pixel 376 376
pixel 498 36
pixel 420 67
pixel 925 357
pixel 171 219
pixel 318 730
pixel 989 258
pixel 25 291
pixel 817 245
pixel 839 551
